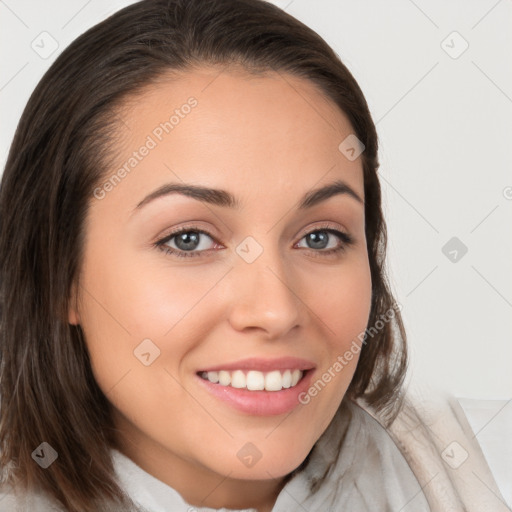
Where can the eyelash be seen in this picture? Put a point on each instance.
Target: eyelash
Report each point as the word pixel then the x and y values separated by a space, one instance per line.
pixel 346 241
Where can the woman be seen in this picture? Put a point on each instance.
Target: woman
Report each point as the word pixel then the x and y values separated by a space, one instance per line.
pixel 195 312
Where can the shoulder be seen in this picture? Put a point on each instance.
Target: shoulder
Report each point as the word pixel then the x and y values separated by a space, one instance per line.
pixel 15 500
pixel 356 465
pixel 12 500
pixel 434 436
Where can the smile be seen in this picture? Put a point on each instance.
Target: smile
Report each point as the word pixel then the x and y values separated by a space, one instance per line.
pixel 254 380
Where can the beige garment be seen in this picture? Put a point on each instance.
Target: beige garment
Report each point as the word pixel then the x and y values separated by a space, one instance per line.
pixel 437 441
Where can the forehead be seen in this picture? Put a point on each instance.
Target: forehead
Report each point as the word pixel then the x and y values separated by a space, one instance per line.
pixel 222 91
pixel 218 126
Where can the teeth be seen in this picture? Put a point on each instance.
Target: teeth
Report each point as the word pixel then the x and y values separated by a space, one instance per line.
pixel 274 381
pixel 254 380
pixel 238 379
pixel 224 378
pixel 287 379
pixel 213 377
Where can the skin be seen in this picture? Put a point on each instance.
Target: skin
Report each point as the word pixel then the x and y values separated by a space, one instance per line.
pixel 267 140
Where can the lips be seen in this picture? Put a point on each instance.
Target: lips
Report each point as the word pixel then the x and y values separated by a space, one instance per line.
pixel 257 386
pixel 262 365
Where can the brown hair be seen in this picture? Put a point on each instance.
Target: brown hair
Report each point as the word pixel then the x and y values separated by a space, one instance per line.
pixel 61 151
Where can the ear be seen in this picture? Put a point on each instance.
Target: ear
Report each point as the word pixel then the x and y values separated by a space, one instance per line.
pixel 73 315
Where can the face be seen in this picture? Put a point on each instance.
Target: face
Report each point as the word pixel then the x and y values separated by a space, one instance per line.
pixel 267 282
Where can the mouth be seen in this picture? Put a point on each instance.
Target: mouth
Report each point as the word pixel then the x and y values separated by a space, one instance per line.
pixel 259 387
pixel 254 380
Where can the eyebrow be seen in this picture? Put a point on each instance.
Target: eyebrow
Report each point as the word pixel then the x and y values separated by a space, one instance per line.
pixel 219 197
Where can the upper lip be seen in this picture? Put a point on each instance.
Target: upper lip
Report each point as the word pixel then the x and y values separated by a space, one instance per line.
pixel 262 365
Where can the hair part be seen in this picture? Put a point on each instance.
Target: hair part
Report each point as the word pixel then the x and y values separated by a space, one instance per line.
pixel 62 150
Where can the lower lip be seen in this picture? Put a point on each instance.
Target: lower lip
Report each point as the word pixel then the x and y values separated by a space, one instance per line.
pixel 260 403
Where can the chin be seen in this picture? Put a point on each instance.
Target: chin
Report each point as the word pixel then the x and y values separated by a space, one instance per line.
pixel 250 463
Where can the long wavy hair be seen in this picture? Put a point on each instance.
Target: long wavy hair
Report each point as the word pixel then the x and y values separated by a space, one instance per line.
pixel 61 152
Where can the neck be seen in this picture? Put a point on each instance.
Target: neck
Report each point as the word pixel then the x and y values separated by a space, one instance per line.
pixel 198 485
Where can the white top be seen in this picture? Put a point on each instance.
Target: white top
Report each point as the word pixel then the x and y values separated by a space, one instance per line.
pixel 369 474
pixel 427 461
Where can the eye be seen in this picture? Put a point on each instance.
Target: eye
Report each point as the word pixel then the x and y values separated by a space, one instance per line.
pixel 190 242
pixel 326 241
pixel 186 242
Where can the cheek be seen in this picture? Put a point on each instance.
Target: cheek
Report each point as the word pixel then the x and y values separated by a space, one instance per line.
pixel 343 303
pixel 149 296
pixel 129 300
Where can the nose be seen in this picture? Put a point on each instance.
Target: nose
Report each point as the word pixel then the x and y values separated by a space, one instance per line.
pixel 263 297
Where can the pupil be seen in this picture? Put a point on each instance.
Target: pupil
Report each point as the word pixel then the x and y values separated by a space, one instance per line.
pixel 187 241
pixel 318 240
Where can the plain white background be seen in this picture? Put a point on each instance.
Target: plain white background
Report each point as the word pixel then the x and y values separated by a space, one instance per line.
pixel 437 76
